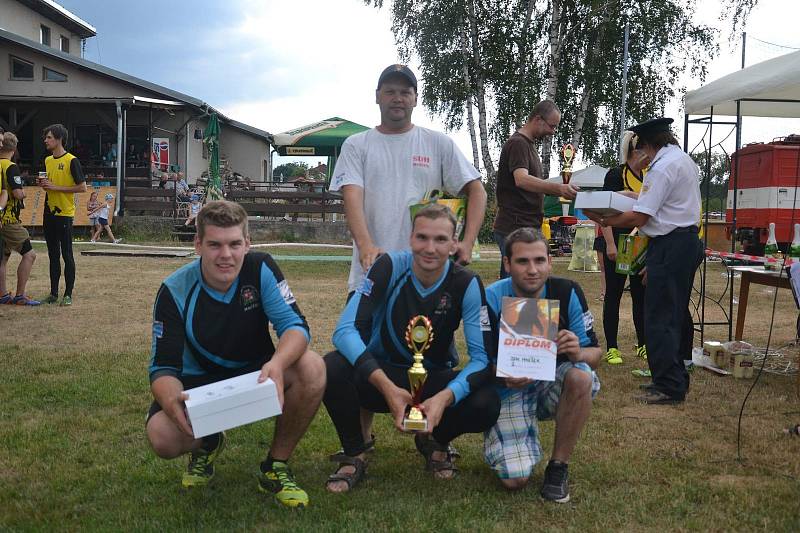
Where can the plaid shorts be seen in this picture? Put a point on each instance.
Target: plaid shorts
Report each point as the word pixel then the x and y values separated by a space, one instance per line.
pixel 511 447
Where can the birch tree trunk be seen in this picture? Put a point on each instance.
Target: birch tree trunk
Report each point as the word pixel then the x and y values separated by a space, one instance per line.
pixel 523 58
pixel 468 85
pixel 556 36
pixel 591 56
pixel 480 94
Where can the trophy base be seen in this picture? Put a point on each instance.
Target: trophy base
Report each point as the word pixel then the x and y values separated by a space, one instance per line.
pixel 415 425
pixel 415 420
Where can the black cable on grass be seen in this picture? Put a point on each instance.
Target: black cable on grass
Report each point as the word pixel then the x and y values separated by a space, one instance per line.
pixel 772 318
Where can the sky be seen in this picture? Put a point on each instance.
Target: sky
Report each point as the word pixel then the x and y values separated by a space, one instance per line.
pixel 278 64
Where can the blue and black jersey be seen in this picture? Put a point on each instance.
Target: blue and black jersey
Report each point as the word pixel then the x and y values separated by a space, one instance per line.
pixel 373 324
pixel 201 335
pixel 574 313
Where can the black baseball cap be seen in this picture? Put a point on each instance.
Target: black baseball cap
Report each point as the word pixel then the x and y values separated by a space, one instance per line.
pixel 652 126
pixel 397 68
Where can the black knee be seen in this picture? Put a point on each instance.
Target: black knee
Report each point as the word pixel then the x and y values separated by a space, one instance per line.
pixel 483 407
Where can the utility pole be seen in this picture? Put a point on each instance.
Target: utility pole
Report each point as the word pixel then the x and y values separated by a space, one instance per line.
pixel 624 80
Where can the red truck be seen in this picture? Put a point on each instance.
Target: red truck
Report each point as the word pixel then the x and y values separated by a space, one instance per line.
pixel 765 192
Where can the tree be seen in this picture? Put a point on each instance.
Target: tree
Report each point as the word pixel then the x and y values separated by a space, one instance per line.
pixel 290 170
pixel 502 55
pixel 714 185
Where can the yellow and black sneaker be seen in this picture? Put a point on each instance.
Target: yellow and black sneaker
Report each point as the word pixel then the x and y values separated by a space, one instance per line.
pixel 201 465
pixel 613 357
pixel 279 480
pixel 641 352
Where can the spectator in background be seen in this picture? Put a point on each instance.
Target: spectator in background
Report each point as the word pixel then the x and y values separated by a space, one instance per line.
pixel 194 209
pixel 64 178
pixel 82 152
pixel 13 235
pixel 109 155
pixel 92 208
pixel 102 220
pixel 182 188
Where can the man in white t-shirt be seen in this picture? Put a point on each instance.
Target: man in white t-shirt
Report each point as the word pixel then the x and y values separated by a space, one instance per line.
pixel 383 171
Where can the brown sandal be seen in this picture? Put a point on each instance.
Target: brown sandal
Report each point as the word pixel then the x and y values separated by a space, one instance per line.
pixel 426 446
pixel 351 478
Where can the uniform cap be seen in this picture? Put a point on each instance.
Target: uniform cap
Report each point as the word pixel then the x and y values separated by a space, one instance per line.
pixel 652 126
pixel 397 68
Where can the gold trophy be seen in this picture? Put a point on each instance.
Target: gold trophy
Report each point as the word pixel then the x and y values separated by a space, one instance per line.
pixel 419 336
pixel 567 155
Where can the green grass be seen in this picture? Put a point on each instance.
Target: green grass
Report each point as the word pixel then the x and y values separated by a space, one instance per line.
pixel 73 453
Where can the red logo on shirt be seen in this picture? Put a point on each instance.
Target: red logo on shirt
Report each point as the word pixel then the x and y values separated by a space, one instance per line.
pixel 421 161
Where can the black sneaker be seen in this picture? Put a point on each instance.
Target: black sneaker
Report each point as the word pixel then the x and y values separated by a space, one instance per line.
pixel 556 482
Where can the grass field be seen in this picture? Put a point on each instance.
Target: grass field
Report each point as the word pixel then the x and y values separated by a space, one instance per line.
pixel 73 454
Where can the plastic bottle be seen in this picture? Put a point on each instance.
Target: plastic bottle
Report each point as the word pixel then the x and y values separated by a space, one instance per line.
pixel 794 249
pixel 771 249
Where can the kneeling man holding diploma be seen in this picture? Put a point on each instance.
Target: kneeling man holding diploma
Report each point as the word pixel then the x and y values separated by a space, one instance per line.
pixel 546 355
pixel 210 323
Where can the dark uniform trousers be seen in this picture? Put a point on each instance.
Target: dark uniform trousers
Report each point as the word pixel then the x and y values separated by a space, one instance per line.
pixel 672 261
pixel 345 394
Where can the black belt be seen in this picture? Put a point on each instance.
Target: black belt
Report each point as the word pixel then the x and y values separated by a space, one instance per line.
pixel 687 229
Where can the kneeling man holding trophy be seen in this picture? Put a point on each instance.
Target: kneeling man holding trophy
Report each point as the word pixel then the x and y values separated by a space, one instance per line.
pixel 393 353
pixel 563 392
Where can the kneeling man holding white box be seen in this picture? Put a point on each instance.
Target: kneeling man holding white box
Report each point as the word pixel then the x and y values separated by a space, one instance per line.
pixel 214 365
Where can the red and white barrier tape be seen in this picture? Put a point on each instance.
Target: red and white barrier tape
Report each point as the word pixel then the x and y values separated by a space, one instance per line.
pixel 746 257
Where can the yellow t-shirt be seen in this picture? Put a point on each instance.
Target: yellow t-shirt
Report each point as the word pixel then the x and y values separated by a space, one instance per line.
pixel 13 206
pixel 630 180
pixel 61 204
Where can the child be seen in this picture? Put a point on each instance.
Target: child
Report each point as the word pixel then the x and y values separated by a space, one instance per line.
pixel 102 219
pixel 194 208
pixel 92 208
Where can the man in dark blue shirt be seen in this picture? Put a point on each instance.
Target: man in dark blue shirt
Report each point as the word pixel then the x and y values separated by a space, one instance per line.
pixel 512 447
pixel 370 367
pixel 210 322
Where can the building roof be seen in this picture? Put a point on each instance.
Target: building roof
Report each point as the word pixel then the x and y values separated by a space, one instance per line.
pixel 99 69
pixel 61 15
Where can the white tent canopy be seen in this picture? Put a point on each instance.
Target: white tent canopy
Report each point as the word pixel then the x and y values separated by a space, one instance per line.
pixel 775 79
pixel 591 177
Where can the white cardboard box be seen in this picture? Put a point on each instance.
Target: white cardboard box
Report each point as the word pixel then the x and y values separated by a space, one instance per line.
pixel 231 403
pixel 605 203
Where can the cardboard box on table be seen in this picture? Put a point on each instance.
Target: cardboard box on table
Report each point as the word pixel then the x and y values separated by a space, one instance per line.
pixel 604 203
pixel 231 403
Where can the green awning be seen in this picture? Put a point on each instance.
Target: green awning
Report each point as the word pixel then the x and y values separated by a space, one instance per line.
pixel 323 138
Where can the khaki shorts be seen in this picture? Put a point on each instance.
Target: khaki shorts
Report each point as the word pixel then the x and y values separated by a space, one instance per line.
pixel 15 237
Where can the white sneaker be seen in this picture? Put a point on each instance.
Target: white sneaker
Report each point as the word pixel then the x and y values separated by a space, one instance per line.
pixel 117 241
pixel 94 240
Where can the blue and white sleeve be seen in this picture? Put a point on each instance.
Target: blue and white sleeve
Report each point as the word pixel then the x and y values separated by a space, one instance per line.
pixel 280 305
pixel 477 332
pixel 355 328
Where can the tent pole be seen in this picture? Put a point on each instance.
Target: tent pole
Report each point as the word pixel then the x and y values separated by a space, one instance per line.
pixel 734 229
pixel 705 232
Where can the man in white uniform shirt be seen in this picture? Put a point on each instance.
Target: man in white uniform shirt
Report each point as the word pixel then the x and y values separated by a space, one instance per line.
pixel 667 211
pixel 383 171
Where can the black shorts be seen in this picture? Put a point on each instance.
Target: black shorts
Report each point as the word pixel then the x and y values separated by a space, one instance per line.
pixel 599 244
pixel 102 221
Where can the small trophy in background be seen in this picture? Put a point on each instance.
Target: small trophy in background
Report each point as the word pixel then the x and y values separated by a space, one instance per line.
pixel 419 336
pixel 567 155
